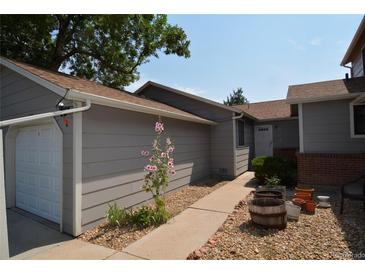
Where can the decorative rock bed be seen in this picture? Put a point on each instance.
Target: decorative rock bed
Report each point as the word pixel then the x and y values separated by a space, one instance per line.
pixel 325 235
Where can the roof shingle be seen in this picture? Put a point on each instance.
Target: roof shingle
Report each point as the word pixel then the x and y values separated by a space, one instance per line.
pixel 269 110
pixel 326 89
pixel 93 88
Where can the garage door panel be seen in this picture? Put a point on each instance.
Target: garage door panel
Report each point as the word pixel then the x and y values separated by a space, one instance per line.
pixel 38 171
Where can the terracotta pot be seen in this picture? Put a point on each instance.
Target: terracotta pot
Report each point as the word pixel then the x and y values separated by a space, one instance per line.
pixel 299 202
pixel 303 195
pixel 310 207
pixel 305 189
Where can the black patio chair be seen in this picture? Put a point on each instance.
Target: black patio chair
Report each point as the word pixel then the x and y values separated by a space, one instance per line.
pixel 354 190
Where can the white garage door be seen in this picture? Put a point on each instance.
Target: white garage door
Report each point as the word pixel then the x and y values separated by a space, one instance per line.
pixel 39 171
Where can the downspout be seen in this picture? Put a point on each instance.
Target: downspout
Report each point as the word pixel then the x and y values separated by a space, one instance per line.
pixel 349 67
pixel 234 118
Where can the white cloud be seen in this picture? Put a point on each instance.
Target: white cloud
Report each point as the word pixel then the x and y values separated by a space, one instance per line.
pixel 194 91
pixel 296 45
pixel 315 41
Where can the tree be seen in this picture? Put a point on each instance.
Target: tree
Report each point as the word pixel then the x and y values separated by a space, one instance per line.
pixel 236 98
pixel 105 48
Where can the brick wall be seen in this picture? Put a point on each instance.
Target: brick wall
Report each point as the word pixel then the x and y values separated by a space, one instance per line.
pixel 329 169
pixel 288 153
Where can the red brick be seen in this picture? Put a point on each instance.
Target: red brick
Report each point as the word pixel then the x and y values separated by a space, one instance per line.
pixel 329 169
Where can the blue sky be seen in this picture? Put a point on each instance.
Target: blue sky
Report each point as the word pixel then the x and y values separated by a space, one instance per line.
pixel 261 53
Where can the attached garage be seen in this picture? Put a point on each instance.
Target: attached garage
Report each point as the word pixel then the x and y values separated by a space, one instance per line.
pixel 38 169
pixel 68 173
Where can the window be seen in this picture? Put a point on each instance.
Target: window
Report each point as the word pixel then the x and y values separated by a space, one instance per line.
pixel 358 120
pixel 363 61
pixel 240 133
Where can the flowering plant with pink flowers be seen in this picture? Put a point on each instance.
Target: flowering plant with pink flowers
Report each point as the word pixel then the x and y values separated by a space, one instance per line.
pixel 161 165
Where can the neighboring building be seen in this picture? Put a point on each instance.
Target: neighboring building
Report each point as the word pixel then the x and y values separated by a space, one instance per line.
pixel 332 122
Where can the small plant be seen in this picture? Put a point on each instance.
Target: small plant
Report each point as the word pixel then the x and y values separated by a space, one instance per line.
pixel 272 181
pixel 267 167
pixel 161 165
pixel 147 216
pixel 117 216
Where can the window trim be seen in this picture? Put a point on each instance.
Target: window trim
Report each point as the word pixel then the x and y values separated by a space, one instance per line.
pixel 238 134
pixel 352 120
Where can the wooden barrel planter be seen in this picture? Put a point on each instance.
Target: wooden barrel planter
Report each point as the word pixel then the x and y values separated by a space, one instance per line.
pixel 268 194
pixel 268 212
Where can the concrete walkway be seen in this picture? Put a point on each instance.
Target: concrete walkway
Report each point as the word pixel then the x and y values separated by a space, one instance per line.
pixel 174 240
pixel 194 226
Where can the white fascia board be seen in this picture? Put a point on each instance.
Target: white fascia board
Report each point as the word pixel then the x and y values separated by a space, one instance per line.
pixel 39 80
pixel 105 101
pixel 278 119
pixel 324 98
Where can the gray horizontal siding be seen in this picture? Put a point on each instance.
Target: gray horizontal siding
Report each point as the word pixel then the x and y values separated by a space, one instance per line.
pixel 285 133
pixel 112 163
pixel 358 67
pixel 326 128
pixel 196 107
pixel 20 97
pixel 222 149
pixel 242 160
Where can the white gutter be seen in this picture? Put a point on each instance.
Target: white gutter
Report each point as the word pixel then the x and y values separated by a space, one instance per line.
pixel 4 245
pixel 110 102
pixel 237 117
pixel 44 115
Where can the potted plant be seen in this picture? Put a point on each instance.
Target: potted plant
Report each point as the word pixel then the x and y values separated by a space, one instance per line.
pixel 272 184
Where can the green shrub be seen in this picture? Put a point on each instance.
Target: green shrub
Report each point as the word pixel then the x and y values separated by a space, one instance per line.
pixel 142 217
pixel 147 216
pixel 268 167
pixel 117 216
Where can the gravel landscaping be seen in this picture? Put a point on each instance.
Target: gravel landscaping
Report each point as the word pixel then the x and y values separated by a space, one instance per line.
pixel 325 235
pixel 119 238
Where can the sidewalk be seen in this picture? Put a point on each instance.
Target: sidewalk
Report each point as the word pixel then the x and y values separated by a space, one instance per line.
pixel 194 226
pixel 174 240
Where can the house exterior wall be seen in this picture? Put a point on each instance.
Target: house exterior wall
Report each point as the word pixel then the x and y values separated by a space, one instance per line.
pixel 20 97
pixel 285 133
pixel 330 155
pixel 285 137
pixel 326 128
pixel 112 164
pixel 244 154
pixel 222 147
pixel 358 66
pixel 329 168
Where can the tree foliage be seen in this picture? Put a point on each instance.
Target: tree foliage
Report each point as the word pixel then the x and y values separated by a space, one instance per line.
pixel 236 98
pixel 105 48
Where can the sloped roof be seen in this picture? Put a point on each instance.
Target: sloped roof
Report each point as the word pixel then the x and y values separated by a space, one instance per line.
pixel 327 90
pixel 79 85
pixel 269 110
pixel 183 93
pixel 356 43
